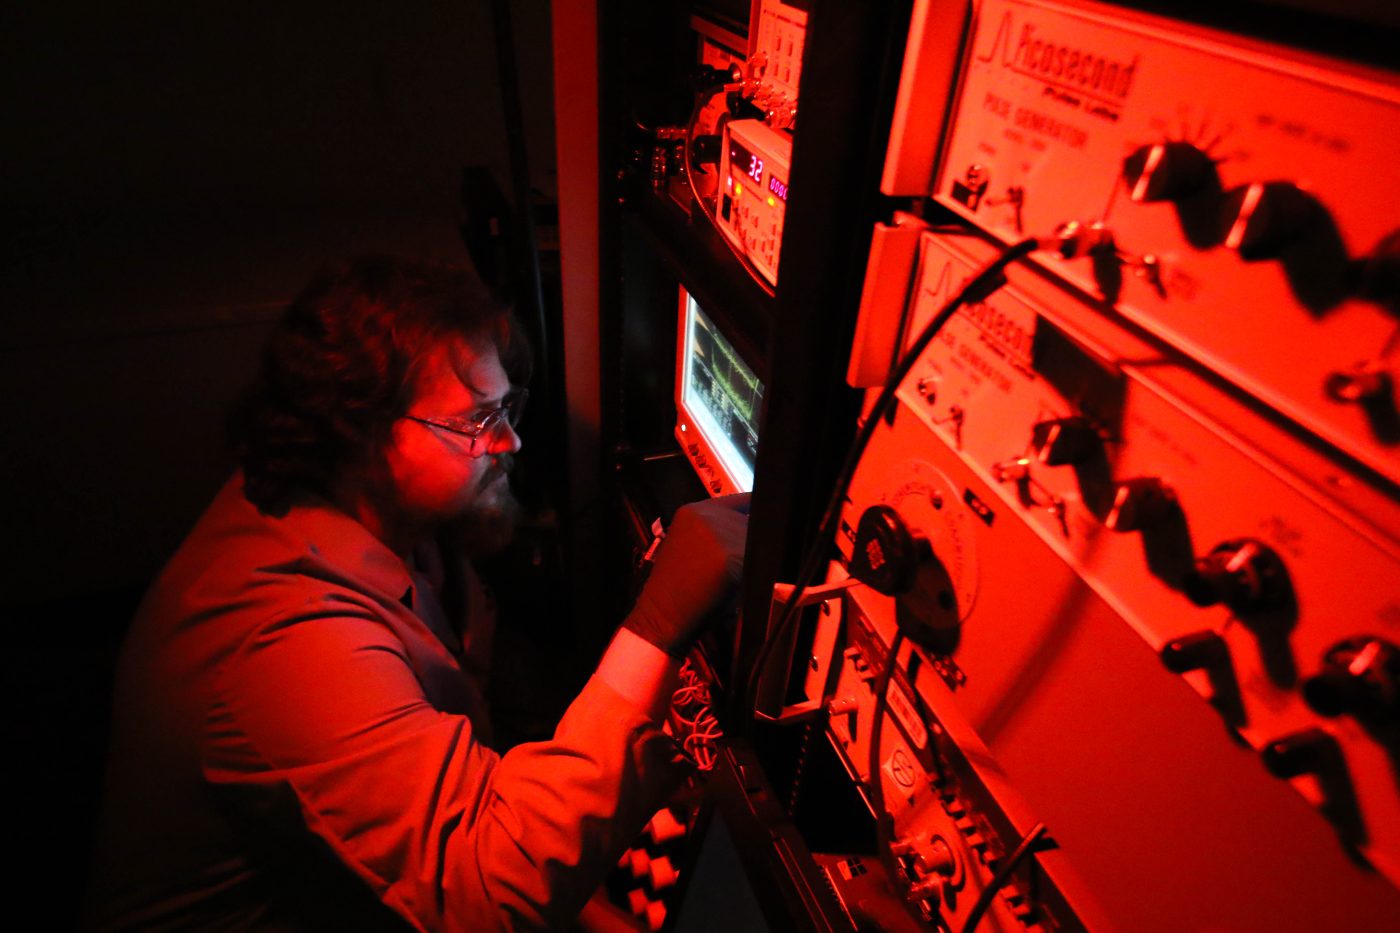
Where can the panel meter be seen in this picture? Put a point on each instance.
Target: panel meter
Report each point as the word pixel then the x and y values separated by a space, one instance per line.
pixel 753 192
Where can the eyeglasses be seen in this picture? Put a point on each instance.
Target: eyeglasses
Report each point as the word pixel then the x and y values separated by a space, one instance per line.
pixel 473 426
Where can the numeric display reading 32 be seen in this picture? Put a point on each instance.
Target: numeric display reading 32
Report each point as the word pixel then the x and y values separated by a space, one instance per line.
pixel 751 164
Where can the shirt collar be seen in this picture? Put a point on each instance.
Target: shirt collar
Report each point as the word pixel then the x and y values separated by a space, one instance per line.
pixel 345 544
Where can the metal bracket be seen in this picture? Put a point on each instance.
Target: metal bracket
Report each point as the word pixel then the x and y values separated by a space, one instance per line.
pixel 773 678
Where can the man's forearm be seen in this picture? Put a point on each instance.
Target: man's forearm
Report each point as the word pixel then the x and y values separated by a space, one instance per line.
pixel 641 672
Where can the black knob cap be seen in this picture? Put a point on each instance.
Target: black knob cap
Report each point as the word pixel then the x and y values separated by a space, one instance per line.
pixel 707 77
pixel 705 150
pixel 1359 677
pixel 886 555
pixel 1168 171
pixel 1262 219
pixel 1061 441
pixel 1193 652
pixel 1379 273
pixel 1301 753
pixel 1243 574
pixel 1139 503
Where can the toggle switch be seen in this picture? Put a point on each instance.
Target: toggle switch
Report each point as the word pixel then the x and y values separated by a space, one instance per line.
pixel 1015 470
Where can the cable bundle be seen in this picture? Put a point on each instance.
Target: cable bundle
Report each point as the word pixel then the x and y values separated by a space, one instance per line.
pixel 692 722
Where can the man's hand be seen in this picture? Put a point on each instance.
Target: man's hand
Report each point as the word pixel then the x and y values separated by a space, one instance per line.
pixel 695 573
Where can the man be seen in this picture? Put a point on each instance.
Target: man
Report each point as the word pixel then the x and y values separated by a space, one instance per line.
pixel 299 733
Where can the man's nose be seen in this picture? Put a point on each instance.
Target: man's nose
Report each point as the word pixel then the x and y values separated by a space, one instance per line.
pixel 504 439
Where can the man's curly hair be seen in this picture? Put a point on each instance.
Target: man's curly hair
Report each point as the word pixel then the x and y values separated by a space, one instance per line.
pixel 339 369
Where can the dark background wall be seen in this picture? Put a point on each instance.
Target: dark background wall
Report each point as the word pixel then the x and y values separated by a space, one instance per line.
pixel 172 174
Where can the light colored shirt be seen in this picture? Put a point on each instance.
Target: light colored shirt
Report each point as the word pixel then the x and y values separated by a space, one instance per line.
pixel 298 740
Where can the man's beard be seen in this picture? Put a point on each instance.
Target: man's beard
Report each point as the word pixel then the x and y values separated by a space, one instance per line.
pixel 489 524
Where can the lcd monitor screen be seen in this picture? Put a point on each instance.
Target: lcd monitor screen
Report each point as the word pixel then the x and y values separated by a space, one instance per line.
pixel 720 394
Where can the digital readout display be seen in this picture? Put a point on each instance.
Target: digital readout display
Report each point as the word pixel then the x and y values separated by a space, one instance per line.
pixel 745 162
pixel 777 186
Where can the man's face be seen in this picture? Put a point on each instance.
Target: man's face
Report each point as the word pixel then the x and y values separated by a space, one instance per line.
pixel 435 477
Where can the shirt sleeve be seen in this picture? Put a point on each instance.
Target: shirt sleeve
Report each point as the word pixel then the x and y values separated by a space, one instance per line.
pixel 326 706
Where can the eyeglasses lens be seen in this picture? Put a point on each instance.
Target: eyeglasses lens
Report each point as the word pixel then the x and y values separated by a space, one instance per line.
pixel 509 412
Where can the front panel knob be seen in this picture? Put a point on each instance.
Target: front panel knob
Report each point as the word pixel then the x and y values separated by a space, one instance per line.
pixel 1378 276
pixel 1169 171
pixel 1243 574
pixel 1261 220
pixel 1193 652
pixel 1360 677
pixel 886 554
pixel 705 150
pixel 1062 441
pixel 1139 503
pixel 1301 753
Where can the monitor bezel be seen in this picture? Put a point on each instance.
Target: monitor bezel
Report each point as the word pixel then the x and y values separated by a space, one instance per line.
pixel 717 476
